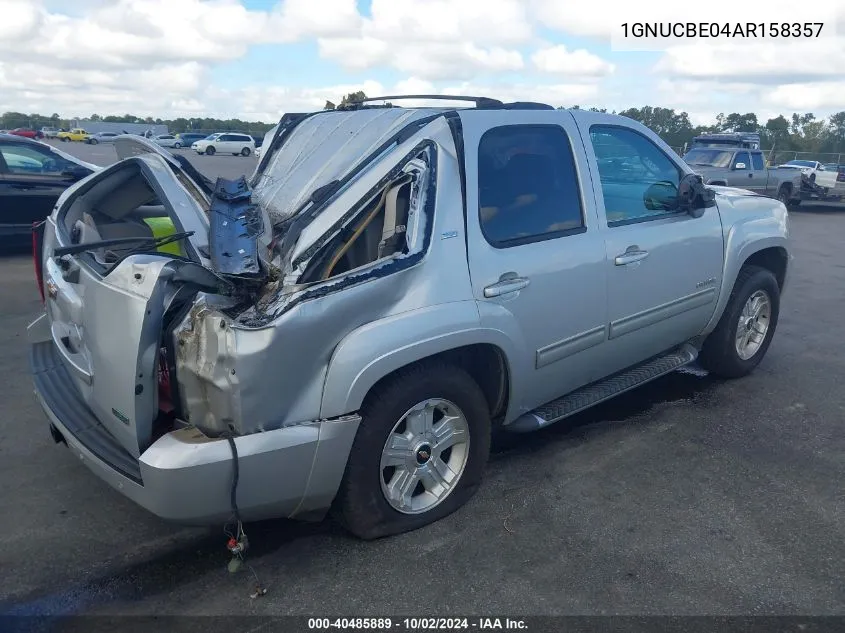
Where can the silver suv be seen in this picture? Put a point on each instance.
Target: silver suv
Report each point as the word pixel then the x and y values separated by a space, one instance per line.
pixel 392 287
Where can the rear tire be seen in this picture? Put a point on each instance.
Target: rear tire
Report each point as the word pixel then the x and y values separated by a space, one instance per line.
pixel 745 331
pixel 210 150
pixel 410 419
pixel 245 151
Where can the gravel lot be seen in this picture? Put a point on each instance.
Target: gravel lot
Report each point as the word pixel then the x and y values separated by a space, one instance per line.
pixel 688 496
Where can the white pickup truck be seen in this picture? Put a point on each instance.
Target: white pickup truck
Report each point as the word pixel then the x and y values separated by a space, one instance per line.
pixel 815 172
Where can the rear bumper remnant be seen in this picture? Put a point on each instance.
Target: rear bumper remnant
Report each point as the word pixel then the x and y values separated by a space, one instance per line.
pixel 186 476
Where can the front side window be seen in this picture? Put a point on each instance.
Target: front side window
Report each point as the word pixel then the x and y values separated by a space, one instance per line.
pixel 638 181
pixel 528 186
pixel 21 159
pixel 741 161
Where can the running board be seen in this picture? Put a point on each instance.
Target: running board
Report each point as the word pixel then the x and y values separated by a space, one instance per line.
pixel 597 392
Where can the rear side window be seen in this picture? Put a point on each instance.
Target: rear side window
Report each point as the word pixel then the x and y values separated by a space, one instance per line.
pixel 757 162
pixel 528 186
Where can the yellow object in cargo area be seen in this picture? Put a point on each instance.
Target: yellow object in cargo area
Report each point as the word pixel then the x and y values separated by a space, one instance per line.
pixel 162 227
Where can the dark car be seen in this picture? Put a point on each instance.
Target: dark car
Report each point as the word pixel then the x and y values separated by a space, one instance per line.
pixel 32 177
pixel 186 139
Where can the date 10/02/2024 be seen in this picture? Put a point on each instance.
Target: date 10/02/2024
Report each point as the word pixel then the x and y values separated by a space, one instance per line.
pixel 416 624
pixel 739 30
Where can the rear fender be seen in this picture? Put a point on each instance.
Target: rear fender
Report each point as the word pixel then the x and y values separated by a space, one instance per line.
pixel 371 352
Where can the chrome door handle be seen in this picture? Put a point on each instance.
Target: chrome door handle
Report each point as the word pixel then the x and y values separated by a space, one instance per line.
pixel 504 286
pixel 629 257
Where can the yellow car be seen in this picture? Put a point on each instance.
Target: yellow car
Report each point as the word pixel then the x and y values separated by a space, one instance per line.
pixel 76 134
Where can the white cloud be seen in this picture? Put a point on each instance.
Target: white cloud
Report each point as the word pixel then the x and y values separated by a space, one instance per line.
pixel 137 33
pixel 763 62
pixel 559 60
pixel 805 97
pixel 433 60
pixel 494 22
pixel 448 40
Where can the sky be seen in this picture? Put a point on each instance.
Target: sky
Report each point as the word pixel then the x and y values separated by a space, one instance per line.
pixel 257 59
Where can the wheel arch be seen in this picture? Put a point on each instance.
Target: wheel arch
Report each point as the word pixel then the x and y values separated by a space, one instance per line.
pixel 770 253
pixel 374 353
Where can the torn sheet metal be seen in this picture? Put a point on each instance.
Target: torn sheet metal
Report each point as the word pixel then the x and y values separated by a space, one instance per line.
pixel 324 148
pixel 236 224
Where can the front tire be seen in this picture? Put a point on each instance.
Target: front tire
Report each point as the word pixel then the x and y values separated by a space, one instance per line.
pixel 177 145
pixel 419 453
pixel 93 141
pixel 245 151
pixel 783 195
pixel 745 331
pixel 210 150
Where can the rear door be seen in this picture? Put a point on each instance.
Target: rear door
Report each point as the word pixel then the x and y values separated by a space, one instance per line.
pixel 536 255
pixel 759 176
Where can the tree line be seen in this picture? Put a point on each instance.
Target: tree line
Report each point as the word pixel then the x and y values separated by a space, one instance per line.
pixel 12 120
pixel 799 132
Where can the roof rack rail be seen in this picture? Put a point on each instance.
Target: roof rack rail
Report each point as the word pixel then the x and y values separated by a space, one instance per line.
pixel 480 102
pixel 526 105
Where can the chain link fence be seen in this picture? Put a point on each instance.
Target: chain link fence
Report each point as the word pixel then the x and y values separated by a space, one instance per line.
pixel 780 157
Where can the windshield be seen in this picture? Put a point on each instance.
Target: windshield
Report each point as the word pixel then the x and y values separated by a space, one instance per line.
pixel 709 158
pixel 211 137
pixel 802 163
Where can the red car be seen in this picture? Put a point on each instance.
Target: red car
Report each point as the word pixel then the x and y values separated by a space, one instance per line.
pixel 27 132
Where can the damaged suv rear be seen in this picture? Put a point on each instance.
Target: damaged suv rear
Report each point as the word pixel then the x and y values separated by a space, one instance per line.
pixel 181 314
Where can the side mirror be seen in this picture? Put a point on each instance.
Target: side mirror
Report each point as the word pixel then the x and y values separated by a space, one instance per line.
pixel 661 196
pixel 694 196
pixel 740 166
pixel 77 172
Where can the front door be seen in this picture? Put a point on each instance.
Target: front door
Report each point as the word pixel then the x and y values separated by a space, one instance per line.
pixel 536 256
pixel 743 174
pixel 664 267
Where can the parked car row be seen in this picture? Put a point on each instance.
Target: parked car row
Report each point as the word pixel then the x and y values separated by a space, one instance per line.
pixel 233 143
